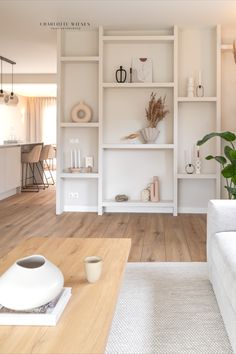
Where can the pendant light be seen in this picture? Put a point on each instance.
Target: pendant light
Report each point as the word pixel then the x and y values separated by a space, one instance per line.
pixel 12 98
pixel 3 95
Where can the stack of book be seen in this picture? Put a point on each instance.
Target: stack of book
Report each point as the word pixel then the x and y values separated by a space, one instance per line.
pixel 46 315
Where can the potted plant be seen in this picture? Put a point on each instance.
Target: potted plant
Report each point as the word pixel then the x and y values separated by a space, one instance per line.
pixel 227 162
pixel 155 112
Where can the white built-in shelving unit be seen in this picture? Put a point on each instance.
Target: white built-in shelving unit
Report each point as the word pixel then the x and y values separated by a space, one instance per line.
pixel 87 61
pixel 197 116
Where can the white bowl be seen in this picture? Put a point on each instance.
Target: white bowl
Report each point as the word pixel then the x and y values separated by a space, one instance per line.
pixel 30 282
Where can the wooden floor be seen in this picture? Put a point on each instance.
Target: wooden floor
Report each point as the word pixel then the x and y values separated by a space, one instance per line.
pixel 155 237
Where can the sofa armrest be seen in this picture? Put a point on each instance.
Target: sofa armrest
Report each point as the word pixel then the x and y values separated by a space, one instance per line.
pixel 221 216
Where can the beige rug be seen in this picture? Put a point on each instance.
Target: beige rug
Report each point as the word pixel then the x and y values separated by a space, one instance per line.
pixel 167 308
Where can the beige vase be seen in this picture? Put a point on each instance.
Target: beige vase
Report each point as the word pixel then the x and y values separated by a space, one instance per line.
pixel 150 135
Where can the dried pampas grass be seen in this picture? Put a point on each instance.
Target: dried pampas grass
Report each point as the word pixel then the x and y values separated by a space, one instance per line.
pixel 156 110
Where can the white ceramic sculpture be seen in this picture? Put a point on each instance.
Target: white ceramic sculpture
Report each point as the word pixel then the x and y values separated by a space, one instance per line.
pixel 30 282
pixel 81 113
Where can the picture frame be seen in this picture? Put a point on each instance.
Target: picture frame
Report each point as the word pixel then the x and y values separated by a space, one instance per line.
pixel 142 69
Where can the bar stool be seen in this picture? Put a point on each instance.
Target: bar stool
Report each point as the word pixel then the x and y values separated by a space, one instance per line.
pixel 30 159
pixel 52 156
pixel 46 154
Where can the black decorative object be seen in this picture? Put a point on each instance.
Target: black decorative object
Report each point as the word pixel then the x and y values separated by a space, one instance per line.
pixel 189 168
pixel 121 75
pixel 130 75
pixel 200 91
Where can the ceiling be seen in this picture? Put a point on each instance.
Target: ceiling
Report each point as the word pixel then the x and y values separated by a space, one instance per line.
pixel 33 46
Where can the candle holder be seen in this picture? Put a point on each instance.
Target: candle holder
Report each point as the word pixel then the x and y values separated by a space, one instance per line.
pixel 198 162
pixel 198 165
pixel 189 168
pixel 200 91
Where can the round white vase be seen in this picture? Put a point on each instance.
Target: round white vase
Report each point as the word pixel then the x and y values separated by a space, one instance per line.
pixel 150 135
pixel 30 282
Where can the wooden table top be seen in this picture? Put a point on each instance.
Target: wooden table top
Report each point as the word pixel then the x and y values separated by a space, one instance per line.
pixel 85 323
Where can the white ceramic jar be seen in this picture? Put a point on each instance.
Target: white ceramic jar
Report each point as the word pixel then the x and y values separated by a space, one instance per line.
pixel 30 282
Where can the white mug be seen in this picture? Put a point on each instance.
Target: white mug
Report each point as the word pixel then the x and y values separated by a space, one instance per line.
pixel 93 268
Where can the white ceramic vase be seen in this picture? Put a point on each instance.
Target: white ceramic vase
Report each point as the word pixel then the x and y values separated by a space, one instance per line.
pixel 30 282
pixel 150 135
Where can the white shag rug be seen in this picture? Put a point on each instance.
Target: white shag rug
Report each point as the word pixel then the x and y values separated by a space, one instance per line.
pixel 167 308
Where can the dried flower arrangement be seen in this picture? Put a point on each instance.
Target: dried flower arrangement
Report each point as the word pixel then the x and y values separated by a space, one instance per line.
pixel 156 110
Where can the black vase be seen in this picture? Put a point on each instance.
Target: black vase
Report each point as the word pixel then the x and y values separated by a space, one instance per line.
pixel 121 75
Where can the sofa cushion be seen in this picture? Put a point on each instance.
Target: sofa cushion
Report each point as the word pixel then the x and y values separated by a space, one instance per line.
pixel 224 260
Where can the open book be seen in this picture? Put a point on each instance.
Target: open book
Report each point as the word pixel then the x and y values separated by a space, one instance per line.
pixel 46 315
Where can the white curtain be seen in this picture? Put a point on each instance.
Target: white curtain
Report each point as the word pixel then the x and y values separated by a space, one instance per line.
pixel 36 108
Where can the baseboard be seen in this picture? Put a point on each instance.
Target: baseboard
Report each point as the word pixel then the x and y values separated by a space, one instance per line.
pixel 8 194
pixel 121 209
pixel 86 208
pixel 81 208
pixel 192 210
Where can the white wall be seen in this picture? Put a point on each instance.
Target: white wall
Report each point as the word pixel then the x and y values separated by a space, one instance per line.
pixel 13 121
pixel 228 82
pixel 228 87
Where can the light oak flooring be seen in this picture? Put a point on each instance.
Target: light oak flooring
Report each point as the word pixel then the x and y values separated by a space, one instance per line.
pixel 155 237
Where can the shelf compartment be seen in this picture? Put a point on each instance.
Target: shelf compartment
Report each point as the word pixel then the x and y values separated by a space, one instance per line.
pixel 138 146
pixel 197 99
pixel 197 176
pixel 79 125
pixel 137 84
pixel 138 203
pixel 138 38
pixel 79 59
pixel 78 175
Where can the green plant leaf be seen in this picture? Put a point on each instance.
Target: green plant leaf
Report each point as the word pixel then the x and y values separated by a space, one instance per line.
pixel 233 154
pixel 209 157
pixel 233 179
pixel 221 159
pixel 232 191
pixel 230 153
pixel 227 152
pixel 229 171
pixel 228 136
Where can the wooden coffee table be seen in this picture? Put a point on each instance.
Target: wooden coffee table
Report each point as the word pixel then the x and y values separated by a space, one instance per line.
pixel 85 323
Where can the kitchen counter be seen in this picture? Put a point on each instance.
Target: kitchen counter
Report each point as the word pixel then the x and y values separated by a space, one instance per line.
pixel 10 167
pixel 18 144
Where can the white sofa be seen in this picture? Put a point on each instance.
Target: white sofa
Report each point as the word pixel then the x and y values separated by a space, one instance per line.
pixel 221 258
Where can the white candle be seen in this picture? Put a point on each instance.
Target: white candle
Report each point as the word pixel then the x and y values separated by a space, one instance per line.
pixel 185 158
pixel 79 165
pixel 199 78
pixel 71 158
pixel 75 158
pixel 190 158
pixel 190 81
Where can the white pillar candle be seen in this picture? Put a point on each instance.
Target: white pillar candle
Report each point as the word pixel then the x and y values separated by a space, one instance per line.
pixel 75 158
pixel 190 158
pixel 190 81
pixel 185 158
pixel 199 78
pixel 79 163
pixel 71 158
